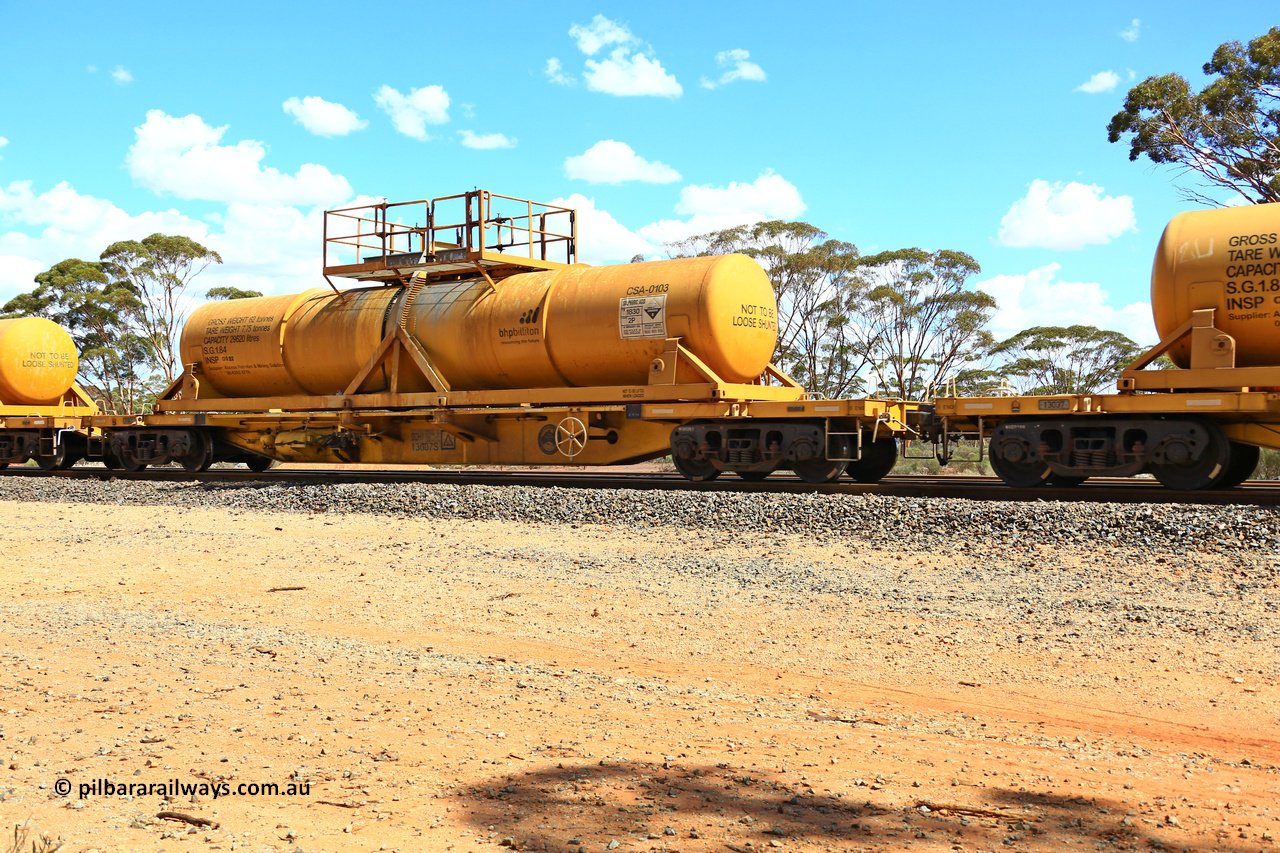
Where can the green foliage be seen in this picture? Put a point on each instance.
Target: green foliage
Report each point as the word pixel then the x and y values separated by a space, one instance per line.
pixel 1228 133
pixel 917 318
pixel 159 268
pixel 1268 465
pixel 215 293
pixel 1071 360
pixel 915 460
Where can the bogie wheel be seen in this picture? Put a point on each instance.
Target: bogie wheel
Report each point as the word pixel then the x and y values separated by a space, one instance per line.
pixel 1244 459
pixel 697 470
pixel 258 464
pixel 878 459
pixel 3 465
pixel 753 476
pixel 201 455
pixel 571 437
pixel 1064 481
pixel 822 469
pixel 1207 472
pixel 1020 475
pixel 62 459
pixel 123 463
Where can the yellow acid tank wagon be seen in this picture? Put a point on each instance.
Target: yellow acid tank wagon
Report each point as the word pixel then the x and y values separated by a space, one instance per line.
pixel 38 361
pixel 572 327
pixel 472 336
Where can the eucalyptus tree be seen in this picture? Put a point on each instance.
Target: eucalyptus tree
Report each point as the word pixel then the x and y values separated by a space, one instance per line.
pixel 160 268
pixel 914 314
pixel 1066 360
pixel 1227 134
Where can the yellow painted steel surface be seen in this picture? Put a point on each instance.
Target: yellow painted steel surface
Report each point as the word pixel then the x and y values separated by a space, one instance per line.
pixel 579 326
pixel 328 339
pixel 1227 259
pixel 239 344
pixel 38 361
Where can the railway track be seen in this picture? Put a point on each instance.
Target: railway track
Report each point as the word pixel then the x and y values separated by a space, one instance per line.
pixel 1102 490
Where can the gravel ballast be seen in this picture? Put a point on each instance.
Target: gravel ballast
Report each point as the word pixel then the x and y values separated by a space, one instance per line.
pixel 875 520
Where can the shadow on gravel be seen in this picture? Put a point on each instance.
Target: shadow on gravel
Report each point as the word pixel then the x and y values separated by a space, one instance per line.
pixel 677 806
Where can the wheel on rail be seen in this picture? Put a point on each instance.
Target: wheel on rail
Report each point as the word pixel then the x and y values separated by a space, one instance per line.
pixel 697 470
pixel 200 457
pixel 1020 474
pixel 1179 470
pixel 60 460
pixel 122 463
pixel 878 459
pixel 3 465
pixel 753 476
pixel 1244 460
pixel 258 464
pixel 821 469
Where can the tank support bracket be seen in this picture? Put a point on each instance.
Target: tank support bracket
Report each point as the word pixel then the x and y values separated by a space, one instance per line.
pixel 393 347
pixel 1212 350
pixel 663 370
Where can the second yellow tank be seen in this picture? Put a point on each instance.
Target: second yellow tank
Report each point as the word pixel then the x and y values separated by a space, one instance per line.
pixel 1229 260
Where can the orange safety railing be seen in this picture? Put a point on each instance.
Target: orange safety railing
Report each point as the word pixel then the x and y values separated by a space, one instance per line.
pixel 465 226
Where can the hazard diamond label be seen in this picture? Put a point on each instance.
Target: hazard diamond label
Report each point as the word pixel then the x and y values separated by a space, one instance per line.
pixel 643 317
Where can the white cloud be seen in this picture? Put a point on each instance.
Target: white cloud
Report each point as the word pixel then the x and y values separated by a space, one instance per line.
pixel 39 230
pixel 1131 34
pixel 612 162
pixel 626 74
pixel 626 71
pixel 1103 81
pixel 486 141
pixel 711 208
pixel 742 68
pixel 555 73
pixel 182 156
pixel 1037 299
pixel 324 118
pixel 121 75
pixel 1071 216
pixel 604 239
pixel 413 112
pixel 92 69
pixel 271 248
pixel 3 143
pixel 601 32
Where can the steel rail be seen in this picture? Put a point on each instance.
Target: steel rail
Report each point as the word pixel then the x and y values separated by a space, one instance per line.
pixel 1102 490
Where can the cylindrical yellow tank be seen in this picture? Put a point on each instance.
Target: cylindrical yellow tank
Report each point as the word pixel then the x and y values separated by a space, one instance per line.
pixel 1227 259
pixel 238 344
pixel 577 326
pixel 38 361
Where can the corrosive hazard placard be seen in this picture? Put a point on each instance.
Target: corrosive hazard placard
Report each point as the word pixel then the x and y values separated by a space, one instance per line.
pixel 642 317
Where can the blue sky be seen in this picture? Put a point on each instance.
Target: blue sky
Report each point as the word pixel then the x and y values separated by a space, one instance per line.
pixel 961 126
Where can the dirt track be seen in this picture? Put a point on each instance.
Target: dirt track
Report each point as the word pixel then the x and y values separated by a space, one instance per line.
pixel 460 685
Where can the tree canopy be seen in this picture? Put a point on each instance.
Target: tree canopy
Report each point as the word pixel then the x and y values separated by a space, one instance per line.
pixel 1228 133
pixel 917 319
pixel 1070 360
pixel 160 268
